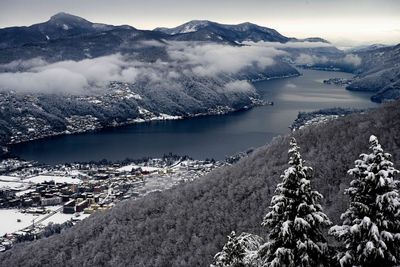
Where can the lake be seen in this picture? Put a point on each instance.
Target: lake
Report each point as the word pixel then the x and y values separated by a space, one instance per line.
pixel 203 137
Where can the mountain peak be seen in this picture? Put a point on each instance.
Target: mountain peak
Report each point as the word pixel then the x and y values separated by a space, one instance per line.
pixel 65 16
pixel 190 26
pixel 67 21
pixel 199 22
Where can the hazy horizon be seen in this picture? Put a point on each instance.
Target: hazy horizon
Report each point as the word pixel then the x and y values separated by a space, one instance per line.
pixel 342 23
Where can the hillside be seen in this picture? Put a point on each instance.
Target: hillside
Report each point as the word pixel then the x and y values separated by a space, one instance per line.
pixel 187 225
pixel 379 73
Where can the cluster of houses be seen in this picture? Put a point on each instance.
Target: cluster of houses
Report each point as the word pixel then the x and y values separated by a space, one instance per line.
pixel 80 124
pixel 78 190
pixel 30 128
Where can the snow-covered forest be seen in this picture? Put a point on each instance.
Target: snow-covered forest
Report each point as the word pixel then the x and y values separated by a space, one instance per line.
pixel 370 231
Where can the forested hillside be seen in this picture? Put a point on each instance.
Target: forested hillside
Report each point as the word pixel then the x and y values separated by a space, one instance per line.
pixel 379 73
pixel 188 225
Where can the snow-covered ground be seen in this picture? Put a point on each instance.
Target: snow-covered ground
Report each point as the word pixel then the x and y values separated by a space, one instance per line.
pixel 13 185
pixel 129 168
pixel 58 179
pixel 16 183
pixel 60 217
pixel 9 178
pixel 12 182
pixel 9 217
pixel 9 222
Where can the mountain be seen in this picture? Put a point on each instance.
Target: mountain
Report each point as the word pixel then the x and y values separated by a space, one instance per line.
pixel 188 225
pixel 66 36
pixel 314 39
pixel 204 30
pixel 61 25
pixel 379 73
pixel 365 48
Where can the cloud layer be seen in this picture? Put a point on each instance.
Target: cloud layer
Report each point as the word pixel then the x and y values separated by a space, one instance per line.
pixel 36 75
pixel 213 59
pixel 186 59
pixel 306 59
pixel 296 45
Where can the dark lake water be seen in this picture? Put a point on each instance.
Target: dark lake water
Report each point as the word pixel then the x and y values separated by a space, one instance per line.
pixel 203 137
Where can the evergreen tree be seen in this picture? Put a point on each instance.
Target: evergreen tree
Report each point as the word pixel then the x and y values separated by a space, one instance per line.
pixel 295 219
pixel 232 254
pixel 371 225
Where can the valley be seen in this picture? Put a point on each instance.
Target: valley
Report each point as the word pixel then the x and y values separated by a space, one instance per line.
pixel 204 137
pixel 122 146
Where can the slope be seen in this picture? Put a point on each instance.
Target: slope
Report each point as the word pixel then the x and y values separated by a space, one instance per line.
pixel 379 73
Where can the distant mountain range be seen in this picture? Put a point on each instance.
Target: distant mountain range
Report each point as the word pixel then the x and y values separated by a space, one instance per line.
pixel 204 30
pixel 63 25
pixel 66 36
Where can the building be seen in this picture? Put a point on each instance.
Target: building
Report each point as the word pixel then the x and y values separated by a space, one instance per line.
pixel 50 201
pixel 82 205
pixel 69 207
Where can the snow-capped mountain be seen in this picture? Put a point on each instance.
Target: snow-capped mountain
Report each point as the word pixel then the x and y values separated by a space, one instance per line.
pixel 204 30
pixel 190 26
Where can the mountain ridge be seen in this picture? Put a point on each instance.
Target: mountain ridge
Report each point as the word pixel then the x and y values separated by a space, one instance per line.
pixel 72 25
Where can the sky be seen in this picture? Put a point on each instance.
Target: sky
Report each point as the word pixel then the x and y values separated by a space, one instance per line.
pixel 343 22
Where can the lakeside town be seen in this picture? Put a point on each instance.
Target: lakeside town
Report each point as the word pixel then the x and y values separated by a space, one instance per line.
pixel 38 200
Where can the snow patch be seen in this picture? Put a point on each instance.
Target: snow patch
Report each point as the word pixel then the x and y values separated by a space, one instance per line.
pixel 58 179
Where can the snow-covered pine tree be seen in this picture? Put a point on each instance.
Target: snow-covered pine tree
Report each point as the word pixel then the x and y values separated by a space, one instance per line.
pixel 371 225
pixel 295 219
pixel 232 254
pixel 239 251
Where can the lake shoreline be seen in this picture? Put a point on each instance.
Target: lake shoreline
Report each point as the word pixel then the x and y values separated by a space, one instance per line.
pixel 204 135
pixel 255 103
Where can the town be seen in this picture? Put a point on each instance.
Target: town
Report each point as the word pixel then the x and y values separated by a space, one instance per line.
pixel 35 197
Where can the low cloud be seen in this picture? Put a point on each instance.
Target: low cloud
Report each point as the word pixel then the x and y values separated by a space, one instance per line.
pixel 21 65
pixel 213 59
pixel 238 86
pixel 297 45
pixel 306 59
pixel 153 43
pixel 50 80
pixel 352 60
pixel 67 76
pixel 310 60
pixel 186 59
